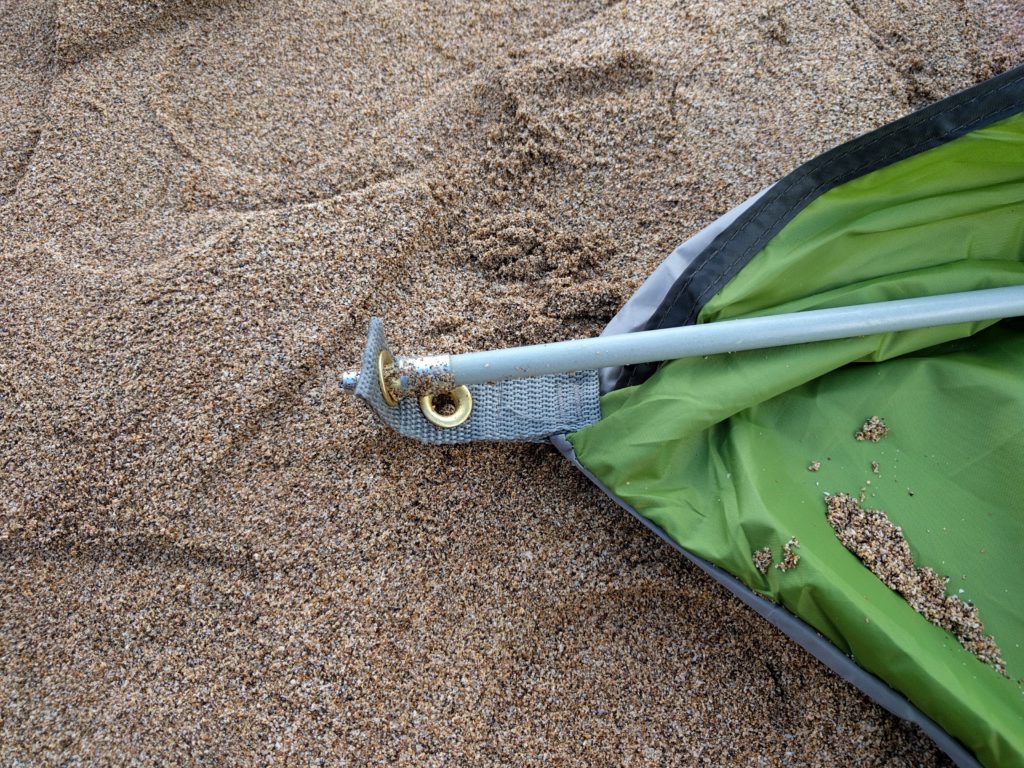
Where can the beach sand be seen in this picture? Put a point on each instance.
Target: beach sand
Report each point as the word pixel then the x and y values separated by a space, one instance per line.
pixel 212 556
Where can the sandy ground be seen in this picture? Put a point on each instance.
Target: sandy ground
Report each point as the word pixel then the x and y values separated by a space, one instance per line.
pixel 209 555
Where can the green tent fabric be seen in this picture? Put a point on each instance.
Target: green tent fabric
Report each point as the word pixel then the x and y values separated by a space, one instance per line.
pixel 715 452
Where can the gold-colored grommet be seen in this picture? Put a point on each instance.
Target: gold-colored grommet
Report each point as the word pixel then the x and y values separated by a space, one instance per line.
pixel 448 409
pixel 384 362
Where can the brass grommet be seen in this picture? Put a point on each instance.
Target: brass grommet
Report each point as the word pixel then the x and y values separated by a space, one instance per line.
pixel 463 407
pixel 384 362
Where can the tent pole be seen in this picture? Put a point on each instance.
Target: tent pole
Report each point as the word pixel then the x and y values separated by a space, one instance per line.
pixel 440 373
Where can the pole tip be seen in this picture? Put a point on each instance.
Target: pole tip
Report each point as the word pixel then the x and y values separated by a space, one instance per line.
pixel 349 380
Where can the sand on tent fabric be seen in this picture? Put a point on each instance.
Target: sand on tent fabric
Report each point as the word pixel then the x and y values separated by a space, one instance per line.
pixel 211 555
pixel 881 546
pixel 762 559
pixel 874 429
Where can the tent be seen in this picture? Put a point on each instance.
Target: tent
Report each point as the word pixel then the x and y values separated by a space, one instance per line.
pixel 750 463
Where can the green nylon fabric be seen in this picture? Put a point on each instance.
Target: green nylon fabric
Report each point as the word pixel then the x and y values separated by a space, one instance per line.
pixel 715 450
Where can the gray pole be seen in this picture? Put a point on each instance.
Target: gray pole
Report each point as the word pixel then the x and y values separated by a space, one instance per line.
pixel 724 336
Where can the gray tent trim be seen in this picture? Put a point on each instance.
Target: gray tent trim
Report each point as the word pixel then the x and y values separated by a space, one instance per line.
pixel 799 631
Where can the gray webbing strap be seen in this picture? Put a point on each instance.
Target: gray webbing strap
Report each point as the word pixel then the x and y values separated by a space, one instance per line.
pixel 523 410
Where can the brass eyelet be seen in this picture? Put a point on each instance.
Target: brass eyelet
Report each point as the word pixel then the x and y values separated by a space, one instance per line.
pixel 384 362
pixel 462 400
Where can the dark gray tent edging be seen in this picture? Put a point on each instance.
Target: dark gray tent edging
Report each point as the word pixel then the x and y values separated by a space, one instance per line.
pixel 798 631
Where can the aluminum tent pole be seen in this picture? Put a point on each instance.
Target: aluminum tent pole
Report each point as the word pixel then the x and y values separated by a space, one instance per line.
pixel 435 374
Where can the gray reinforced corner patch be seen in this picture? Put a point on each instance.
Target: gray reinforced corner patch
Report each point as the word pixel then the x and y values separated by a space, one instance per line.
pixel 521 410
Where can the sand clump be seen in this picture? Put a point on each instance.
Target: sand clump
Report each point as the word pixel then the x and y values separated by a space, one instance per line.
pixel 874 429
pixel 762 559
pixel 790 559
pixel 209 553
pixel 881 546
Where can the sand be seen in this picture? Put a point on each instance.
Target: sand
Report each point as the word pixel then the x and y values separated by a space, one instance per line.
pixel 881 546
pixel 762 559
pixel 209 554
pixel 874 429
